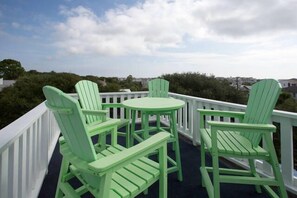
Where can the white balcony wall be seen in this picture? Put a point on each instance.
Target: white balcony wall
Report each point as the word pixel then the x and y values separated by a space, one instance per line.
pixel 26 147
pixel 27 144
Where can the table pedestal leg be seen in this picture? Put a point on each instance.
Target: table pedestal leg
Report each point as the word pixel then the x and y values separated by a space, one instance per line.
pixel 146 125
pixel 176 145
pixel 133 117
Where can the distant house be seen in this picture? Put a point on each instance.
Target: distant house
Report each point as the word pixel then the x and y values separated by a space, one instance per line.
pixel 245 88
pixel 242 83
pixel 288 82
pixel 5 83
pixel 102 83
pixel 143 81
pixel 125 90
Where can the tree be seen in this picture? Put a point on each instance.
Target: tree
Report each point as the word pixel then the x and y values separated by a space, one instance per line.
pixel 11 69
pixel 286 102
pixel 129 83
pixel 27 93
pixel 201 85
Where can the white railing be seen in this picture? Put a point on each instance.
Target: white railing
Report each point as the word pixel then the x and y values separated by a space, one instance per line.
pixel 27 144
pixel 188 125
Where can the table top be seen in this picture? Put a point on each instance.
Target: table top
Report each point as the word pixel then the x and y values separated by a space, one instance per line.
pixel 153 104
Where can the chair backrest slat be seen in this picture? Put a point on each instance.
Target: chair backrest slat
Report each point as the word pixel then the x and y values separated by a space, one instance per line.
pixel 262 100
pixel 70 120
pixel 88 93
pixel 158 88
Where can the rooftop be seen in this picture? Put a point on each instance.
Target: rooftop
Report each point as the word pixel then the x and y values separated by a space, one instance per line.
pixel 30 159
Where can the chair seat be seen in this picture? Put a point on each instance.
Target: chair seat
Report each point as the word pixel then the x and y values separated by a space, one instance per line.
pixel 130 180
pixel 231 142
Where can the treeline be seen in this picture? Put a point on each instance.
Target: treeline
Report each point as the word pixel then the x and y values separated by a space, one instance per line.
pixel 26 93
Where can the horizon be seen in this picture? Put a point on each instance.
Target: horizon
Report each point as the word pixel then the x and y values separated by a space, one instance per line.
pixel 149 38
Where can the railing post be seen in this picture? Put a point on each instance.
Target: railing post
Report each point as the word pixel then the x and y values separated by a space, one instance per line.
pixel 286 142
pixel 195 121
pixel 45 119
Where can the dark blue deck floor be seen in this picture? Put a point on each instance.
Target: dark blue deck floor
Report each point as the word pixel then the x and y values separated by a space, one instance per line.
pixel 190 187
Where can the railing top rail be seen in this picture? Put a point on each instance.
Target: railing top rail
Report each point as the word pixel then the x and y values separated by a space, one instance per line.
pixel 285 114
pixel 211 101
pixel 115 93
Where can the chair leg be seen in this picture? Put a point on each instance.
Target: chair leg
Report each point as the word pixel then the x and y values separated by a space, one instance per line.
pixel 255 174
pixel 279 178
pixel 275 167
pixel 128 133
pixel 202 157
pixel 145 192
pixel 216 175
pixel 163 182
pixel 104 185
pixel 63 171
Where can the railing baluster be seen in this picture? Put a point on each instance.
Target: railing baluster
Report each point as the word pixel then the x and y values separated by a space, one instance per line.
pixel 4 174
pixel 12 168
pixel 22 166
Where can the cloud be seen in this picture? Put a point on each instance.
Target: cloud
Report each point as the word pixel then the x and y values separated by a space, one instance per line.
pixel 248 18
pixel 154 25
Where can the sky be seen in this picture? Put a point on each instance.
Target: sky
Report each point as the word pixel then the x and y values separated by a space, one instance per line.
pixel 149 38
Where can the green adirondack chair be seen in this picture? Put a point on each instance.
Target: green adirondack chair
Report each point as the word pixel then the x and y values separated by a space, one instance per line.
pixel 88 93
pixel 242 140
pixel 114 171
pixel 158 88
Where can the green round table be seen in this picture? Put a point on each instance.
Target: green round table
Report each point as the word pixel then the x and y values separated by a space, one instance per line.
pixel 156 106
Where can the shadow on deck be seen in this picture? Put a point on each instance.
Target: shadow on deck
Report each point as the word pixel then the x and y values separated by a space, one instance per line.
pixel 188 188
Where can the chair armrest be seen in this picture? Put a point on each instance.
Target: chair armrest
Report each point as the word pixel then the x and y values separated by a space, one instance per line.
pixel 95 112
pixel 99 127
pixel 236 114
pixel 242 126
pixel 121 159
pixel 111 105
